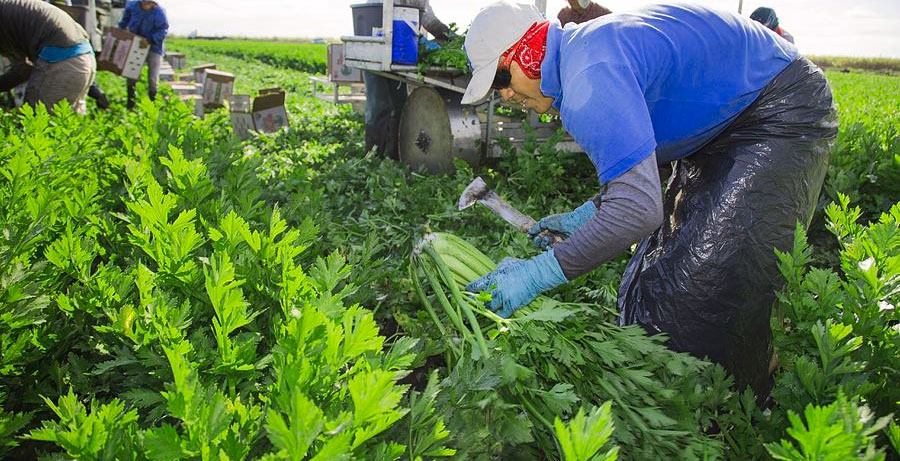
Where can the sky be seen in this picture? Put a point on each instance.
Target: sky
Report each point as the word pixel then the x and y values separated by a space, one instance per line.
pixel 823 27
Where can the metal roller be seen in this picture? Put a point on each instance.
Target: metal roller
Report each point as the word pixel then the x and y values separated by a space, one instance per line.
pixel 435 128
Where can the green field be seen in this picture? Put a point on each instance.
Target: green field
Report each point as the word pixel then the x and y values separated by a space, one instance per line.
pixel 302 57
pixel 170 292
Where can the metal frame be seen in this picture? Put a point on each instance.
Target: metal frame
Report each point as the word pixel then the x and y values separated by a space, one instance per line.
pixel 374 54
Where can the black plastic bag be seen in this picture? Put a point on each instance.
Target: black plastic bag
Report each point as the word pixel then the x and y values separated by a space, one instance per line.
pixel 707 278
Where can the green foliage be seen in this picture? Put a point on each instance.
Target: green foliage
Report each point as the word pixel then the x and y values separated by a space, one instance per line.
pixel 865 162
pixel 837 432
pixel 148 277
pixel 450 55
pixel 302 57
pixel 553 355
pixel 106 432
pixel 856 348
pixel 168 292
pixel 584 436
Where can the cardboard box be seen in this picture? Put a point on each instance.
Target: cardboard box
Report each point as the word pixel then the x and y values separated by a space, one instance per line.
pixel 217 87
pixel 269 113
pixel 166 73
pixel 241 118
pixel 338 70
pixel 200 72
pixel 183 89
pixel 177 60
pixel 123 53
pixel 265 114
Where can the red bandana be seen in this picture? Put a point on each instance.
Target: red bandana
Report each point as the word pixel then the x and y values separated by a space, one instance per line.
pixel 529 51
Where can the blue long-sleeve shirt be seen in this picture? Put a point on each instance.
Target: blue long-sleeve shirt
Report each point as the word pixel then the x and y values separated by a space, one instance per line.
pixel 152 25
pixel 663 79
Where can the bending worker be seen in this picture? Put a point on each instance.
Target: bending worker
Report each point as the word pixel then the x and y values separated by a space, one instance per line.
pixel 580 11
pixel 751 131
pixel 767 17
pixel 385 97
pixel 47 49
pixel 80 10
pixel 148 20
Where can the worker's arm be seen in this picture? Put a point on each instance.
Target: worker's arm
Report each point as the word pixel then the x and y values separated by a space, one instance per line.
pixel 18 74
pixel 629 210
pixel 161 30
pixel 434 25
pixel 126 17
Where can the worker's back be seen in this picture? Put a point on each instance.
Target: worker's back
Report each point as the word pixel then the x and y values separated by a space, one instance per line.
pixel 692 68
pixel 27 26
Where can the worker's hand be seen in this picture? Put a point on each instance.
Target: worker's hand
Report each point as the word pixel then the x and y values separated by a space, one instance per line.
pixel 429 45
pixel 563 223
pixel 516 282
pixel 144 42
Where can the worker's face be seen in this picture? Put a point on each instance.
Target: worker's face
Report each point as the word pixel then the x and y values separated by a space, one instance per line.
pixel 525 91
pixel 147 6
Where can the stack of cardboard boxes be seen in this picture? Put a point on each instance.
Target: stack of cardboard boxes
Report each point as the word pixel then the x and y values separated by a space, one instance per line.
pixel 204 88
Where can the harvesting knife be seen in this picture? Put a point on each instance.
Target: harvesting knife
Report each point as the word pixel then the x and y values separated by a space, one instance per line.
pixel 478 191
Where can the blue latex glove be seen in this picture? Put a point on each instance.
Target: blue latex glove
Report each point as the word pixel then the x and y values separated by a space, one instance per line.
pixel 430 45
pixel 563 223
pixel 516 282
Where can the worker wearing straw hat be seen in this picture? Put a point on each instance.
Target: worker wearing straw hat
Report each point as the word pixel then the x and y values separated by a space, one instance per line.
pixel 750 124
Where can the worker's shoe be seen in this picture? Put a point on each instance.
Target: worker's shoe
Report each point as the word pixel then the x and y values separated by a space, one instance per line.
pixel 95 93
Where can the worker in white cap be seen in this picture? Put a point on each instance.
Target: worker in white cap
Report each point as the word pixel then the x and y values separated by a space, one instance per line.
pixel 581 11
pixel 750 123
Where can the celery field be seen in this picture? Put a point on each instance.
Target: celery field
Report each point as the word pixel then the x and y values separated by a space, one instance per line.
pixel 170 292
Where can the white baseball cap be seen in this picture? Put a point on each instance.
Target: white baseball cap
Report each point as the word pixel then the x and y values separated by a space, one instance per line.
pixel 495 28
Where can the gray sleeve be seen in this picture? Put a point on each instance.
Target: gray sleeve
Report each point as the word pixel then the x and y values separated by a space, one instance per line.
pixel 629 210
pixel 432 24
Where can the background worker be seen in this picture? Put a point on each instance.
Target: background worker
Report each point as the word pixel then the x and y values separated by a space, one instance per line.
pixel 751 132
pixel 385 97
pixel 148 20
pixel 93 26
pixel 580 11
pixel 767 17
pixel 47 49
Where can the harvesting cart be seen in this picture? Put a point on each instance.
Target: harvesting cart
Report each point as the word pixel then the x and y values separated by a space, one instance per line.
pixel 435 127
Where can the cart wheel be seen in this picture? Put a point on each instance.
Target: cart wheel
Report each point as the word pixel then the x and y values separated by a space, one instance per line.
pixel 435 128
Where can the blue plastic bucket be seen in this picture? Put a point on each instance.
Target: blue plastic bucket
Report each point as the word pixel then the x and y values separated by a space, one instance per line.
pixel 406 36
pixel 367 22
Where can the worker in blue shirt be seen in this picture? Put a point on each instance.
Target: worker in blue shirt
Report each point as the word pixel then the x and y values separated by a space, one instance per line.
pixel 767 17
pixel 750 123
pixel 147 19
